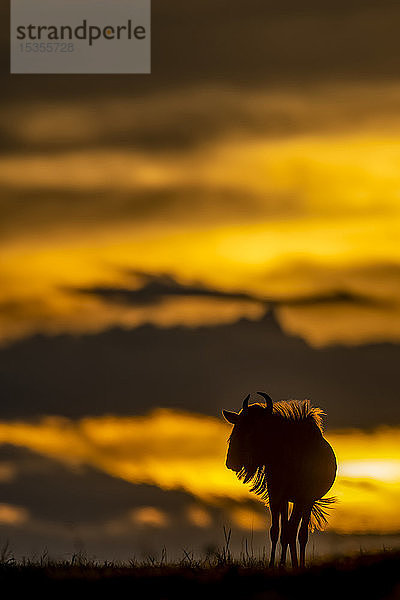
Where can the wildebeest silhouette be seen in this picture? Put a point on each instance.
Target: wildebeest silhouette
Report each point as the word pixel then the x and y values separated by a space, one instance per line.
pixel 280 449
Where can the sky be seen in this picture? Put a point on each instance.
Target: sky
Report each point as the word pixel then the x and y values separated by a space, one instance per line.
pixel 171 242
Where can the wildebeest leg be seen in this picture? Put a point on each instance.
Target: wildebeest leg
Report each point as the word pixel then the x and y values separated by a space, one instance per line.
pixel 274 530
pixel 284 532
pixel 303 534
pixel 293 526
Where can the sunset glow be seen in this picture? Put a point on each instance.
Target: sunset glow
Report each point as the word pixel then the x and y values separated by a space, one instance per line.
pixel 176 450
pixel 288 218
pixel 225 226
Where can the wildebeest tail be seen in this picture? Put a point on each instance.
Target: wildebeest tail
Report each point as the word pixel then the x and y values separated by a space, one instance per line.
pixel 319 513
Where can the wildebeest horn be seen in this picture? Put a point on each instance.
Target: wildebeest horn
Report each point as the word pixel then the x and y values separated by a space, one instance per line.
pixel 268 399
pixel 246 402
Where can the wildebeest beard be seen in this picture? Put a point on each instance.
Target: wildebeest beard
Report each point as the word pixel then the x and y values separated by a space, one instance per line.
pixel 257 476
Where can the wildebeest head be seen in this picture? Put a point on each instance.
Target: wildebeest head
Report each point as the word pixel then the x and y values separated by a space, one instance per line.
pixel 244 439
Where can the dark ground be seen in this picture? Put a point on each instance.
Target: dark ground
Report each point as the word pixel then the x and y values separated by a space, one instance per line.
pixel 372 576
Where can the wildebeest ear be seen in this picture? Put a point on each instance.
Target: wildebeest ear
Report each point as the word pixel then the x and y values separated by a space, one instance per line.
pixel 230 416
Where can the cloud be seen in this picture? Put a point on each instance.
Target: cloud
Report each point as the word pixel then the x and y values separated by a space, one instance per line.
pixel 95 315
pixel 182 451
pixel 137 449
pixel 232 216
pixel 149 517
pixel 252 155
pixel 153 288
pixel 199 115
pixel 281 176
pixel 231 212
pixel 71 494
pixel 321 316
pixel 69 508
pixel 265 46
pixel 7 472
pixel 12 515
pixel 199 516
pixel 249 519
pixel 242 267
pixel 203 370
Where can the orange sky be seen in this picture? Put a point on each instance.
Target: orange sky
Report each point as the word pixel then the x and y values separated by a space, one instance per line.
pixel 176 450
pixel 258 174
pixel 289 217
pixel 278 216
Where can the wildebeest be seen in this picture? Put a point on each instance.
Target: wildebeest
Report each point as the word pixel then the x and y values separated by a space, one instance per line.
pixel 280 449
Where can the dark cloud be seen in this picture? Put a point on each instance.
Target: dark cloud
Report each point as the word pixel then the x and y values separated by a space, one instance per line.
pixel 155 288
pixel 174 120
pixel 53 492
pixel 83 510
pixel 28 211
pixel 71 509
pixel 202 370
pixel 333 297
pixel 259 44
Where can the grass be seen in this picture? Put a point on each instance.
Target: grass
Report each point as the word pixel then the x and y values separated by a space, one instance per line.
pixel 217 575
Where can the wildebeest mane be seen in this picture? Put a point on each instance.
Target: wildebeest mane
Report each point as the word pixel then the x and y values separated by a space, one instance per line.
pixel 299 411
